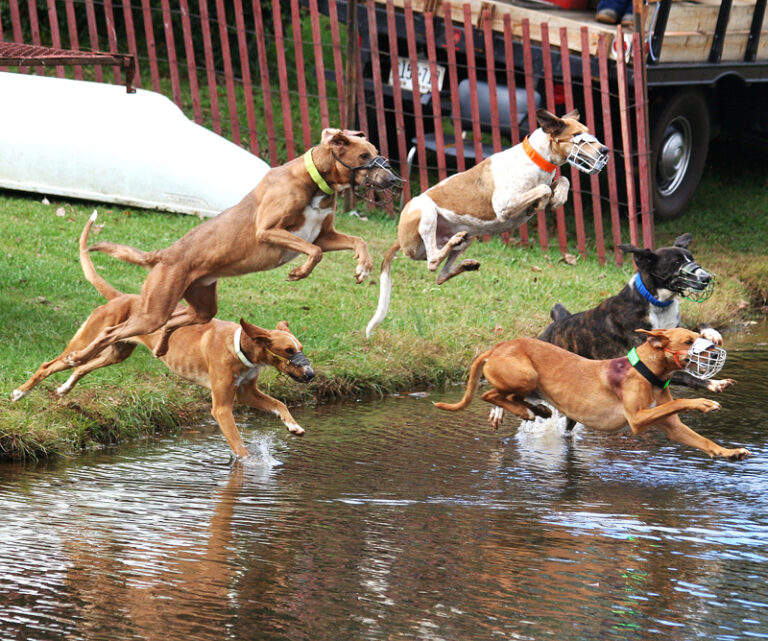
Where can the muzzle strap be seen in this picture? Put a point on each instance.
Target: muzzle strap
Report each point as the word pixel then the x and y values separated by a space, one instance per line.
pixel 238 350
pixel 634 361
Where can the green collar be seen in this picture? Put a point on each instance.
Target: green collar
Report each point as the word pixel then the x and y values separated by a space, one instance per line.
pixel 634 361
pixel 315 174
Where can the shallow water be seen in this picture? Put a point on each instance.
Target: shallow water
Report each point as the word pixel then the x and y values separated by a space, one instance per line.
pixel 392 520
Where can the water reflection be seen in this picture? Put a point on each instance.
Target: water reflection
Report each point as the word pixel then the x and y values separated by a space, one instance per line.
pixel 390 520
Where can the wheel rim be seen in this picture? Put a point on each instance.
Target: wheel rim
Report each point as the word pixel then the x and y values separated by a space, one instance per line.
pixel 674 156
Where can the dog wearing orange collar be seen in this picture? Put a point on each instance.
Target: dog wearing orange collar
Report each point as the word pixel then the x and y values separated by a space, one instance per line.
pixel 497 195
pixel 605 395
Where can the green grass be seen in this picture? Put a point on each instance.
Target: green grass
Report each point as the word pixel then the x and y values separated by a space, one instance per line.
pixel 429 337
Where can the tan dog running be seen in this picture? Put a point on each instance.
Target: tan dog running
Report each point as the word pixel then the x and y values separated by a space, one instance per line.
pixel 605 395
pixel 222 356
pixel 290 212
pixel 497 195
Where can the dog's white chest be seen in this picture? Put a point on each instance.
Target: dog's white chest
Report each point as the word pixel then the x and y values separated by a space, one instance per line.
pixel 664 317
pixel 314 216
pixel 248 375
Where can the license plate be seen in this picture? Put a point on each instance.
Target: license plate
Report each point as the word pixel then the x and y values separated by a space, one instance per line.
pixel 405 73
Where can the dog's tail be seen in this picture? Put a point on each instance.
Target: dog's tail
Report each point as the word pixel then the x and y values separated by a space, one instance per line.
pixel 385 290
pixel 127 254
pixel 102 286
pixel 475 371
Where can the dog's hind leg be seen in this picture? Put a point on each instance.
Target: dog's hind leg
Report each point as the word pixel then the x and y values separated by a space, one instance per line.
pixel 203 304
pixel 111 355
pixel 510 402
pixel 428 224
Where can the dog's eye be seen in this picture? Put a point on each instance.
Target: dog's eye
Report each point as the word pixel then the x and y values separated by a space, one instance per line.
pixel 290 351
pixel 365 156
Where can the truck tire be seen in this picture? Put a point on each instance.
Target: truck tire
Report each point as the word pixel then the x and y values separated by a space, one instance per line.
pixel 680 131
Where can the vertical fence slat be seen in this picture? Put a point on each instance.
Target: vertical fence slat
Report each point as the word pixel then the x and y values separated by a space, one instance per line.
pixel 229 79
pixel 491 76
pixel 546 55
pixel 53 23
pixel 416 95
pixel 74 40
pixel 362 114
pixel 34 27
pixel 377 80
pixel 454 84
pixel 298 46
pixel 578 209
pixel 189 54
pixel 626 137
pixel 338 61
pixel 282 77
pixel 245 71
pixel 437 115
pixel 130 31
pixel 594 180
pixel 509 56
pixel 643 152
pixel 532 124
pixel 474 105
pixel 93 36
pixel 266 91
pixel 317 41
pixel 109 19
pixel 602 51
pixel 210 70
pixel 397 93
pixel 170 46
pixel 149 36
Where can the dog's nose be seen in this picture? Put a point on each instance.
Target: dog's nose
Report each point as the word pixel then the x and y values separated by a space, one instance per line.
pixel 705 278
pixel 309 374
pixel 604 150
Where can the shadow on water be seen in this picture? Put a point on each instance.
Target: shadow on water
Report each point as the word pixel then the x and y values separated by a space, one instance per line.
pixel 391 520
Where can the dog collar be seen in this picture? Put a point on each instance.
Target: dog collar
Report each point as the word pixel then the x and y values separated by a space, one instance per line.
pixel 537 158
pixel 634 361
pixel 238 351
pixel 315 174
pixel 640 287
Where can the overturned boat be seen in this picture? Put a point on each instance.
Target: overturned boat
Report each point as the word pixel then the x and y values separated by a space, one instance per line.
pixel 97 142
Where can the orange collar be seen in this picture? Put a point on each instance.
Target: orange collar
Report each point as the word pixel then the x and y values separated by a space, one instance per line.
pixel 537 158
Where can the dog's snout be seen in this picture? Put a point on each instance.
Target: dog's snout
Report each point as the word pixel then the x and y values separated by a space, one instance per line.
pixel 604 150
pixel 309 374
pixel 705 277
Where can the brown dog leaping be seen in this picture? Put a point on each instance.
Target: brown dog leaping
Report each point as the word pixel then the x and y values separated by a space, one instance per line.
pixel 222 356
pixel 290 212
pixel 605 394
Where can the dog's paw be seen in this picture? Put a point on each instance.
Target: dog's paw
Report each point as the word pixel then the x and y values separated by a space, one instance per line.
pixel 457 240
pixel 719 385
pixel 706 405
pixel 469 265
pixel 295 429
pixel 541 410
pixel 739 454
pixel 711 334
pixel 496 417
pixel 362 272
pixel 17 394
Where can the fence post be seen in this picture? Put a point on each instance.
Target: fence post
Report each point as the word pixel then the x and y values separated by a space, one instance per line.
pixel 350 82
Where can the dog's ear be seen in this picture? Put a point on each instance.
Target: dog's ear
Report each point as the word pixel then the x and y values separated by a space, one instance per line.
pixel 573 115
pixel 644 258
pixel 352 133
pixel 657 338
pixel 256 334
pixel 335 137
pixel 683 241
pixel 283 326
pixel 549 122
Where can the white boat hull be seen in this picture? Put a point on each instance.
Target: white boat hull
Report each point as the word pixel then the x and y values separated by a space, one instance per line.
pixel 97 142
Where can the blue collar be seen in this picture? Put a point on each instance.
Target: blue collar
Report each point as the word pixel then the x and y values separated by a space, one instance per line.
pixel 647 295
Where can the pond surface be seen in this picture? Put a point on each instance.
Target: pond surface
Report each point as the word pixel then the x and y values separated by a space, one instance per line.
pixel 392 520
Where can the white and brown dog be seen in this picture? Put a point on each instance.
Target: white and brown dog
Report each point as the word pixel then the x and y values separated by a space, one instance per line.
pixel 497 195
pixel 290 212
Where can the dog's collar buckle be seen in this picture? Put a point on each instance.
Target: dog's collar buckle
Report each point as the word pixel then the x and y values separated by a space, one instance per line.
pixel 314 173
pixel 238 350
pixel 634 361
pixel 537 158
pixel 640 287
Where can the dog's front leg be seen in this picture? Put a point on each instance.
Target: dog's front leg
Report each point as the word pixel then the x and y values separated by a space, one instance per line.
pixel 640 417
pixel 253 397
pixel 331 240
pixel 509 205
pixel 678 431
pixel 559 193
pixel 286 239
pixel 223 396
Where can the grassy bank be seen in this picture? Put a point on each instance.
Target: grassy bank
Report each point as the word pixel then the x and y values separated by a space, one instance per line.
pixel 428 339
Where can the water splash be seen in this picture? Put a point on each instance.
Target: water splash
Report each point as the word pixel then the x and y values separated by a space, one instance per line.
pixel 262 447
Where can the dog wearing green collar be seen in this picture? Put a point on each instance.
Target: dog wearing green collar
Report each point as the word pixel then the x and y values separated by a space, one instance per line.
pixel 604 395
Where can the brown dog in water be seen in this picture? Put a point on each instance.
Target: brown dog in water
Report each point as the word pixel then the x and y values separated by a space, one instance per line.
pixel 604 395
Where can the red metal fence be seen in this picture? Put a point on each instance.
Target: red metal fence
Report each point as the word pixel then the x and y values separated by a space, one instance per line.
pixel 270 76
